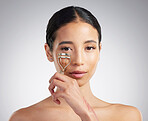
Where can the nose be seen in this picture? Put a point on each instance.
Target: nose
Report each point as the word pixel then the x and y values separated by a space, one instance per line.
pixel 77 58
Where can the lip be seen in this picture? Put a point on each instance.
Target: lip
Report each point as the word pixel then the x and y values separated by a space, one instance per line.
pixel 78 74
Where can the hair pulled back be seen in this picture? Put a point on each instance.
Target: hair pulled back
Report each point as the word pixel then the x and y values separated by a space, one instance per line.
pixel 67 15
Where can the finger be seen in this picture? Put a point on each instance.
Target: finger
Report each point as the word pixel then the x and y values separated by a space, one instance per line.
pixel 54 76
pixel 51 88
pixel 62 77
pixel 58 94
pixel 57 101
pixel 57 83
pixel 51 79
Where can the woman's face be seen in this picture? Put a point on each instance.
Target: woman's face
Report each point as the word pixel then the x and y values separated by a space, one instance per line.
pixel 80 40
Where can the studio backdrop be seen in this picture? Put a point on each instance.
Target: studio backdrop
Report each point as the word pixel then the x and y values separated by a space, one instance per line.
pixel 122 71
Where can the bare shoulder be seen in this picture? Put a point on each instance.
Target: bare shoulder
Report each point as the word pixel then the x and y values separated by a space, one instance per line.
pixel 29 113
pixel 20 115
pixel 126 112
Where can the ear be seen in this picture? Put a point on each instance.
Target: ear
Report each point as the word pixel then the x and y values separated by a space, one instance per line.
pixel 48 52
pixel 100 46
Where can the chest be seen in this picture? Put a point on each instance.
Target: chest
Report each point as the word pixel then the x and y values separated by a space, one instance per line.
pixel 55 116
pixel 64 115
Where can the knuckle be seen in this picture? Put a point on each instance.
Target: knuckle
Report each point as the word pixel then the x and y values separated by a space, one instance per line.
pixel 58 94
pixel 67 92
pixel 62 95
pixel 67 87
pixel 50 81
pixel 56 74
pixel 49 88
pixel 54 81
pixel 54 95
pixel 73 82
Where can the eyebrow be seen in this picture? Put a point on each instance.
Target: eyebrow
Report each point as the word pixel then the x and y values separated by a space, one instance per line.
pixel 65 42
pixel 89 41
pixel 70 42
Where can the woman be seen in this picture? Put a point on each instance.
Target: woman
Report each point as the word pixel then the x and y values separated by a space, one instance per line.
pixel 74 30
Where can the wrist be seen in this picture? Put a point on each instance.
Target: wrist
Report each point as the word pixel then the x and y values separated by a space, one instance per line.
pixel 85 116
pixel 88 116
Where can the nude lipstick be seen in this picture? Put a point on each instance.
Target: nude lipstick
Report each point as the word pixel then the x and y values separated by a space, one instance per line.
pixel 78 74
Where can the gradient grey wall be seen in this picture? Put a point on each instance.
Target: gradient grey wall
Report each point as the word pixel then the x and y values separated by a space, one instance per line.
pixel 122 73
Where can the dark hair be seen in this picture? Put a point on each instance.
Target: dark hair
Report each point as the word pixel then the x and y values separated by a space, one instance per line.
pixel 67 15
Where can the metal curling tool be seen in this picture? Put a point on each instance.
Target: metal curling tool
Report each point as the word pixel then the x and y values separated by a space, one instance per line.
pixel 63 60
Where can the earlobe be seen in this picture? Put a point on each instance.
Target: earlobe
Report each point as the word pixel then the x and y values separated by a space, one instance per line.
pixel 51 59
pixel 48 52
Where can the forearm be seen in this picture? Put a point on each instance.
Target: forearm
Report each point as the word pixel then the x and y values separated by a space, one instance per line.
pixel 89 114
pixel 89 117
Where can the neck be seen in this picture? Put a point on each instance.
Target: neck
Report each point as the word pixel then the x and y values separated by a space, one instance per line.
pixel 86 92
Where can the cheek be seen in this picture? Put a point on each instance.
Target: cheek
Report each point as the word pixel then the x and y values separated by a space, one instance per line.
pixel 55 56
pixel 93 61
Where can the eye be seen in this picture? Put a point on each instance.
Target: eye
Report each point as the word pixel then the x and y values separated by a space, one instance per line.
pixel 66 48
pixel 90 48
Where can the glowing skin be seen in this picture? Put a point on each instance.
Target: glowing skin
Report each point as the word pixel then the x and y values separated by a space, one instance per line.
pixel 81 41
pixel 73 99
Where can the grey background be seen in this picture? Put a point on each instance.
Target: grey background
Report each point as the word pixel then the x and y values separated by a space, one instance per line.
pixel 122 72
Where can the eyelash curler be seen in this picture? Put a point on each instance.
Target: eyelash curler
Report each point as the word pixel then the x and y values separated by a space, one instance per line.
pixel 63 60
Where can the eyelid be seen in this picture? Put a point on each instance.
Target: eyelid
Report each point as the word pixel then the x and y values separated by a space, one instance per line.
pixel 92 47
pixel 64 48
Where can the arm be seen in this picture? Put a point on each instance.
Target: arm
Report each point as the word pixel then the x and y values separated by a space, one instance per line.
pixel 90 114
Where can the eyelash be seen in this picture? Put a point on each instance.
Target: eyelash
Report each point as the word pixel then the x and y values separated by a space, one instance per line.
pixel 66 48
pixel 90 48
pixel 87 48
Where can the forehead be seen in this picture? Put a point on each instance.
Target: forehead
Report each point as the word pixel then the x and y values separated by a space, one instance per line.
pixel 77 31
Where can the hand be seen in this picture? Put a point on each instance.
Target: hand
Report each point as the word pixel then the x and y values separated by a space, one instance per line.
pixel 69 90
